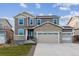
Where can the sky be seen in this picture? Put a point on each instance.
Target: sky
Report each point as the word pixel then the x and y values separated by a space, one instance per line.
pixel 65 10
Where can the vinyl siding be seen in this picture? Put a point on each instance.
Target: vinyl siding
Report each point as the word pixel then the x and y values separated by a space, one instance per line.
pixel 48 27
pixel 73 23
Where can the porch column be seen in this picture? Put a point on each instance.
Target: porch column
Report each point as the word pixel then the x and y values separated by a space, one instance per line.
pixel 26 31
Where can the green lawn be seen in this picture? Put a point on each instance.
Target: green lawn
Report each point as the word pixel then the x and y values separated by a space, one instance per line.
pixel 16 50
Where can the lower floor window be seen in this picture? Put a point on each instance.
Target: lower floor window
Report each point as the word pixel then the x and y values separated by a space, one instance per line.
pixel 20 31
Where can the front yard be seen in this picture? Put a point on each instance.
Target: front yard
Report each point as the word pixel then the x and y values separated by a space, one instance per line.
pixel 20 50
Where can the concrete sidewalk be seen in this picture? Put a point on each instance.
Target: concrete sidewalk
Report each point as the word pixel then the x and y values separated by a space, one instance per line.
pixel 66 49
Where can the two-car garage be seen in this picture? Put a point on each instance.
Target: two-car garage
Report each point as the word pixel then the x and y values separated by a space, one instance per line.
pixel 50 33
pixel 48 37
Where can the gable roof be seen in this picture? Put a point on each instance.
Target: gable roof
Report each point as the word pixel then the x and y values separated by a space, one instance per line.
pixel 23 13
pixel 46 23
pixel 71 19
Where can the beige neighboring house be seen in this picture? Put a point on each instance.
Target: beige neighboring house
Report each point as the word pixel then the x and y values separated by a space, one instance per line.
pixel 74 23
pixel 41 29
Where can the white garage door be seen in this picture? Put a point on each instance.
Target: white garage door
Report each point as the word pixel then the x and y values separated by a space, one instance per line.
pixel 67 37
pixel 47 37
pixel 2 37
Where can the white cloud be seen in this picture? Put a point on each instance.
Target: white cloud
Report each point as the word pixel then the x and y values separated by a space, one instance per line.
pixel 38 5
pixel 74 13
pixel 64 6
pixel 66 16
pixel 50 14
pixel 64 20
pixel 61 4
pixel 23 5
pixel 41 14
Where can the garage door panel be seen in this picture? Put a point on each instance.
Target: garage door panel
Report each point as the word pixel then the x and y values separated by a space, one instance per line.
pixel 49 37
pixel 66 37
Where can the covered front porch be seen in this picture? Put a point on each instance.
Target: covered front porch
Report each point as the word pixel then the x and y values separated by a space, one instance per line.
pixel 29 36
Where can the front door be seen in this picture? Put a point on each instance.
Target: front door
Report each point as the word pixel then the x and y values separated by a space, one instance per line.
pixel 30 33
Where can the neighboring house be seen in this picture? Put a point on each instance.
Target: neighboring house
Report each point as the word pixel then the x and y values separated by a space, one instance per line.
pixel 42 29
pixel 74 23
pixel 6 33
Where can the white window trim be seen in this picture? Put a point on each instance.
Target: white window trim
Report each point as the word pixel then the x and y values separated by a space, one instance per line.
pixel 23 21
pixel 37 21
pixel 18 32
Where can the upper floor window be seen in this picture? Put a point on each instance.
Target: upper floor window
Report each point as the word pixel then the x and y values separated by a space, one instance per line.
pixel 38 21
pixel 21 21
pixel 20 31
pixel 55 21
pixel 30 21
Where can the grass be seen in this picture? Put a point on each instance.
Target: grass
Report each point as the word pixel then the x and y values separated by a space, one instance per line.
pixel 20 50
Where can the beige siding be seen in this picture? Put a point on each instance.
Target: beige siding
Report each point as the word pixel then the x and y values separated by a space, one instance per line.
pixel 20 16
pixel 48 27
pixel 24 16
pixel 74 22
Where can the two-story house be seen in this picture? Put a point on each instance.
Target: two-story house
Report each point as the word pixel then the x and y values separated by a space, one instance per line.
pixel 40 28
pixel 6 32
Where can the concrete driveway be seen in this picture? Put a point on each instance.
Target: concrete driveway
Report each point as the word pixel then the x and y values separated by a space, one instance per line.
pixel 66 49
